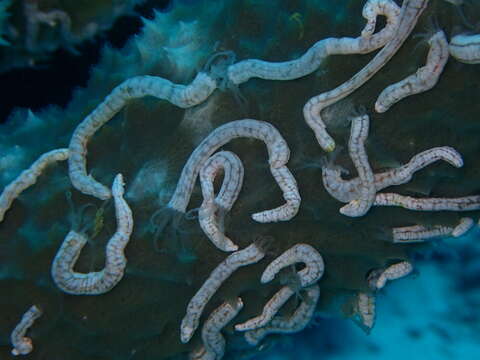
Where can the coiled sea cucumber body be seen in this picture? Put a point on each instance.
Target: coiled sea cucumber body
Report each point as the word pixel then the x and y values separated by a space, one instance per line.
pixel 292 324
pixel 210 220
pixel 313 271
pixel 99 282
pixel 278 153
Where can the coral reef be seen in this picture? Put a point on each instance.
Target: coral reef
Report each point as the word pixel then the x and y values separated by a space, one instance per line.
pixel 158 110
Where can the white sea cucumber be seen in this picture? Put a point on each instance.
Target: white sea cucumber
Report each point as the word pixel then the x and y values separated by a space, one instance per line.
pixel 287 183
pixel 183 96
pixel 465 48
pixel 213 208
pixel 419 233
pixel 463 227
pixel 466 203
pixel 99 282
pixel 278 154
pixel 365 309
pixel 299 253
pixel 423 80
pixel 29 177
pixel 392 272
pixel 313 271
pixel 242 71
pixel 270 309
pixel 410 12
pixel 348 190
pixel 23 345
pixel 250 255
pixel 212 338
pixel 291 324
pixel 356 148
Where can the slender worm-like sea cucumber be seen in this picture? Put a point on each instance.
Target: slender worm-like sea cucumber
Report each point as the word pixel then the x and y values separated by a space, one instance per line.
pixel 29 177
pixel 98 282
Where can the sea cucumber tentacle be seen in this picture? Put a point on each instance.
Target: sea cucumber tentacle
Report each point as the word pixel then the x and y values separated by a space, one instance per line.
pixel 23 345
pixel 423 80
pixel 99 282
pixel 210 220
pixel 183 96
pixel 410 12
pixel 250 255
pixel 292 324
pixel 29 177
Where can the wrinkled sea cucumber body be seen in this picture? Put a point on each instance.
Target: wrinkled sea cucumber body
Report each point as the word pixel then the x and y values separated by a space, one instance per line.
pixel 183 96
pixel 288 325
pixel 210 220
pixel 348 190
pixel 393 272
pixel 358 154
pixel 278 154
pixel 300 253
pixel 463 227
pixel 466 203
pixel 465 48
pixel 23 345
pixel 423 80
pixel 99 282
pixel 310 61
pixel 270 309
pixel 250 255
pixel 410 12
pixel 365 309
pixel 29 177
pixel 419 233
pixel 313 271
pixel 287 183
pixel 212 338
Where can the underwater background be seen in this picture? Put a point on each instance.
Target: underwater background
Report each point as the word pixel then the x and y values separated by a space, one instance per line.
pixel 431 314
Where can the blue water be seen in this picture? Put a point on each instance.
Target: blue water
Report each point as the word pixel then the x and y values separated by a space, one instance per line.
pixel 432 315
